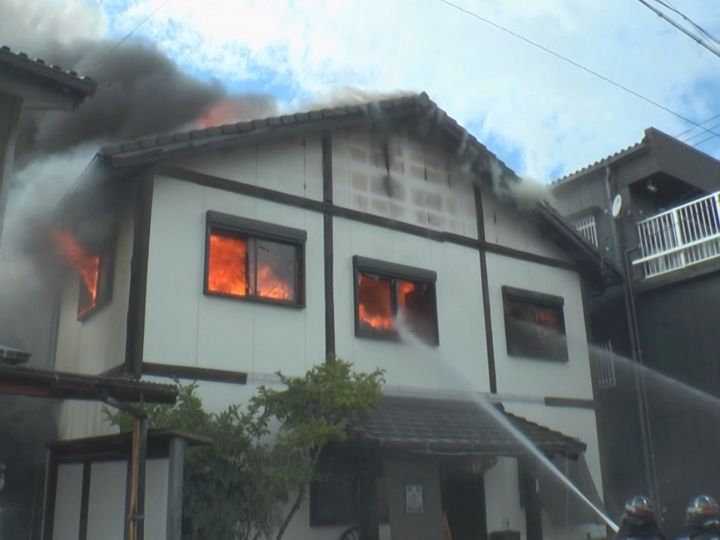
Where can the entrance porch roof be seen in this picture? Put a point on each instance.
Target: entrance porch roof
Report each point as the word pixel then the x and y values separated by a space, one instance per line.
pixel 456 426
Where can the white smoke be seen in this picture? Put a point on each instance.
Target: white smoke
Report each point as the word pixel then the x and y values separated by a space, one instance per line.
pixel 33 25
pixel 342 96
pixel 524 191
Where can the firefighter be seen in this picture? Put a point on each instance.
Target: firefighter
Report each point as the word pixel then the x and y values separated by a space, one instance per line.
pixel 639 521
pixel 702 519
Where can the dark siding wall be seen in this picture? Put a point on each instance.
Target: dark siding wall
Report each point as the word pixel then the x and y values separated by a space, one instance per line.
pixel 680 337
pixel 618 419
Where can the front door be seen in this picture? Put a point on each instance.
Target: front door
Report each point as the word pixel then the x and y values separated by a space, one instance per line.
pixel 465 508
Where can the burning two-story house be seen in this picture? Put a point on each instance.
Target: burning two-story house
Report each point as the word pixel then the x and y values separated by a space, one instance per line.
pixel 224 254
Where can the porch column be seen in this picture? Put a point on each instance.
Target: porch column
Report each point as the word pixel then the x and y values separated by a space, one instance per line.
pixel 368 500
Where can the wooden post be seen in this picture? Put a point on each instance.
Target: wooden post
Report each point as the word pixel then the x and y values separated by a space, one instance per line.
pixel 136 508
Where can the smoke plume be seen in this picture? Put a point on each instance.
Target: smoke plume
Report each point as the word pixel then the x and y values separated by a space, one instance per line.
pixel 140 93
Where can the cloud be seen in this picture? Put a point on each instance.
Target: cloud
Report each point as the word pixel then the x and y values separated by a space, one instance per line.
pixel 520 101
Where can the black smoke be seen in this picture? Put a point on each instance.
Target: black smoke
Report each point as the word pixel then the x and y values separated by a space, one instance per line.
pixel 140 93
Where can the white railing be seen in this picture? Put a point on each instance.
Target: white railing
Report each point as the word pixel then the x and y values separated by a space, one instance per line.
pixel 587 228
pixel 604 360
pixel 680 237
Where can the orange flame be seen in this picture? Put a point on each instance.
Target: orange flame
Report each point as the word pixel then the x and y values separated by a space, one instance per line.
pixel 227 265
pixel 228 271
pixel 225 111
pixel 88 266
pixel 374 305
pixel 270 286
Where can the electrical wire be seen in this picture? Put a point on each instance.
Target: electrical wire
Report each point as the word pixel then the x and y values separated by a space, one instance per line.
pixel 699 40
pixel 682 133
pixel 708 34
pixel 126 37
pixel 579 66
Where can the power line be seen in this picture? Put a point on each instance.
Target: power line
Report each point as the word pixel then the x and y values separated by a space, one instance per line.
pixel 688 19
pixel 127 36
pixel 579 66
pixel 694 127
pixel 694 37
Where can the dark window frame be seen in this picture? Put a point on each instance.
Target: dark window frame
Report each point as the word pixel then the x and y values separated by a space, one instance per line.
pixel 106 279
pixel 543 300
pixel 393 272
pixel 253 229
pixel 351 464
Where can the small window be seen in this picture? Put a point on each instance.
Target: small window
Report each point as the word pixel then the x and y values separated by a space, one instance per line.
pixel 251 260
pixel 94 271
pixel 334 498
pixel 534 325
pixel 387 292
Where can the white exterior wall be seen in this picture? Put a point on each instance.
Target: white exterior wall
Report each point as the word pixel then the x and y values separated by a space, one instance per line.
pixel 183 326
pixel 68 490
pixel 292 165
pixel 97 343
pixel 516 375
pixel 106 500
pixel 459 309
pixel 106 507
pixel 502 497
pixel 511 228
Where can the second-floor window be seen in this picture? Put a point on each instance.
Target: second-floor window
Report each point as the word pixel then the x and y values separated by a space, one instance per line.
pixel 534 325
pixel 252 260
pixel 388 295
pixel 94 270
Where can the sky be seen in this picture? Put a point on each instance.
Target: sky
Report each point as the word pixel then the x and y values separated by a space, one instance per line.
pixel 542 116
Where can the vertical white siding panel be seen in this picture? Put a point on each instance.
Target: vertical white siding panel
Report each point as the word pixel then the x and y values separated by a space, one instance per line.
pixel 502 497
pixel 291 165
pixel 106 509
pixel 239 163
pixel 517 375
pixel 175 270
pixel 66 523
pixel 156 498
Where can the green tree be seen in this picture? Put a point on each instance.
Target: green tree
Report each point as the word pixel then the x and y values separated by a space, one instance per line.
pixel 265 454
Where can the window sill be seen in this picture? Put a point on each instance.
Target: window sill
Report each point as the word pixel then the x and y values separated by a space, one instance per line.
pixel 256 300
pixel 390 336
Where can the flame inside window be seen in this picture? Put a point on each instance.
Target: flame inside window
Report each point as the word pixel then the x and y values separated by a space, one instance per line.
pixel 227 264
pixel 87 266
pixel 380 299
pixel 375 302
pixel 249 267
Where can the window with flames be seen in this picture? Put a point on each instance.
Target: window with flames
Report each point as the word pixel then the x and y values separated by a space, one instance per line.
pixel 94 270
pixel 252 260
pixel 388 295
pixel 534 325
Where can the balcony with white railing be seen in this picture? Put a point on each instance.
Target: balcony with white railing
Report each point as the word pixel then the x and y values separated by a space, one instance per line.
pixel 686 235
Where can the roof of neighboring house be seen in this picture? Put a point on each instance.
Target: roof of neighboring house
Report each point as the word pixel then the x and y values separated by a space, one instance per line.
pixel 432 120
pixel 451 426
pixel 65 79
pixel 59 385
pixel 665 154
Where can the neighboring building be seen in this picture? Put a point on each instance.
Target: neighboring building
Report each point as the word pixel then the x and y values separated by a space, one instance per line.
pixel 666 237
pixel 223 255
pixel 26 84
